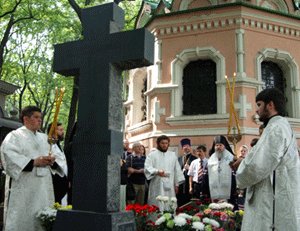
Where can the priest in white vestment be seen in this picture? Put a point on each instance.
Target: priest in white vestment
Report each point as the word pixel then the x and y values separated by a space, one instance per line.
pixel 163 169
pixel 221 185
pixel 24 154
pixel 271 171
pixel 60 184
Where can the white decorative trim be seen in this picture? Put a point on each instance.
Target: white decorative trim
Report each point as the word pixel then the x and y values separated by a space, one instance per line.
pixel 140 127
pixel 198 119
pixel 197 132
pixel 128 103
pixel 157 68
pixel 179 63
pixel 281 5
pixel 137 77
pixel 160 88
pixel 228 19
pixel 240 53
pixel 243 106
pixel 158 111
pixel 290 70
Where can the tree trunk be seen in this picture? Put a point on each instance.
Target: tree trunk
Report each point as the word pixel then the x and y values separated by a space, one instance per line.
pixel 73 109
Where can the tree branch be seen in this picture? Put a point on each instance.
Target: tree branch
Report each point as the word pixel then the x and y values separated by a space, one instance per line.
pixel 11 11
pixel 76 8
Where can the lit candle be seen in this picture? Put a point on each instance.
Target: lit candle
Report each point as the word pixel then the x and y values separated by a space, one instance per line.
pixel 234 111
pixel 233 85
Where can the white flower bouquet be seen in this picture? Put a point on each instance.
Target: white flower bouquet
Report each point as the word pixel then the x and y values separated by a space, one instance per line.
pixel 47 215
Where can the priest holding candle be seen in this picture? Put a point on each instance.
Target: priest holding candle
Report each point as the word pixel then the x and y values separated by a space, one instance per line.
pixel 28 166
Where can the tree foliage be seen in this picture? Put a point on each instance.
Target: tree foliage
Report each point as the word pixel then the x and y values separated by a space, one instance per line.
pixel 28 31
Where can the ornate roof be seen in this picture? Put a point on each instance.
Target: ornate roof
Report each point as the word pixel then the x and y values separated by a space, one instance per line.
pixel 152 8
pixel 154 3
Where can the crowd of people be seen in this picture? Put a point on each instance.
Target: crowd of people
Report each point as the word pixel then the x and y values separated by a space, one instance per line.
pixel 264 179
pixel 196 174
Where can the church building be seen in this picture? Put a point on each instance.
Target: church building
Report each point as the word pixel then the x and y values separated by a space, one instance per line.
pixel 184 94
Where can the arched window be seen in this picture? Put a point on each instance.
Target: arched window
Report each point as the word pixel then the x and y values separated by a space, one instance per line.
pixel 272 76
pixel 277 68
pixel 199 88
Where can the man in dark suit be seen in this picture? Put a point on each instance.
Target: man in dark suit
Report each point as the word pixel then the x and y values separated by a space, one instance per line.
pixel 183 196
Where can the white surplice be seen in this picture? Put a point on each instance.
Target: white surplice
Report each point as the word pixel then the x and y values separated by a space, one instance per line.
pixel 30 191
pixel 220 175
pixel 163 186
pixel 60 158
pixel 275 150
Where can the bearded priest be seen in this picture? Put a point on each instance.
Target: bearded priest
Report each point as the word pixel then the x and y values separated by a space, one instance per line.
pixel 163 169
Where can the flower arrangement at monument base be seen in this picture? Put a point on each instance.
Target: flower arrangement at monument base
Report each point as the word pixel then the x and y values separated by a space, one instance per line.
pixel 47 215
pixel 143 215
pixel 194 216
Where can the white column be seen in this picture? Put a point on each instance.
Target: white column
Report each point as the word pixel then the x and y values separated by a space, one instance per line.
pixel 240 53
pixel 158 63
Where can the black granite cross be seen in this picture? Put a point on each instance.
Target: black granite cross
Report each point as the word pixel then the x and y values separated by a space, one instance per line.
pixel 98 59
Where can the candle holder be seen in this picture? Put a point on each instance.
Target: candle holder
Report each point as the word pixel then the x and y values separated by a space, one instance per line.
pixel 234 139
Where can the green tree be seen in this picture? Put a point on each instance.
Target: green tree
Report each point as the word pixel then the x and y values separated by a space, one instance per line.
pixel 28 30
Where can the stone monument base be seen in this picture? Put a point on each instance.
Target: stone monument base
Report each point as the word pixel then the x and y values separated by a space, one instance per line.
pixel 76 220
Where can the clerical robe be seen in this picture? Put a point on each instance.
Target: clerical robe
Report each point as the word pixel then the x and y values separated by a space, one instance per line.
pixel 276 150
pixel 162 186
pixel 220 175
pixel 30 191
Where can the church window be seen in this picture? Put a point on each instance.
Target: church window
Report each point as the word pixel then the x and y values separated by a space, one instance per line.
pixel 272 76
pixel 278 68
pixel 199 88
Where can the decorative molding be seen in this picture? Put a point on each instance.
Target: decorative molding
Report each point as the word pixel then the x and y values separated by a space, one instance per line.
pixel 128 103
pixel 158 111
pixel 161 88
pixel 187 132
pixel 243 106
pixel 140 127
pixel 198 119
pixel 177 67
pixel 240 52
pixel 203 23
pixel 281 5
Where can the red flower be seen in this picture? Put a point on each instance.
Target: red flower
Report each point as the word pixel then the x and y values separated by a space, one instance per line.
pixel 217 213
pixel 199 214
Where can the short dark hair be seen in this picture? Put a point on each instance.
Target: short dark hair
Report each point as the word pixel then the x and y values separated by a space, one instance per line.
pixel 253 142
pixel 274 95
pixel 162 137
pixel 201 147
pixel 28 111
pixel 49 126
